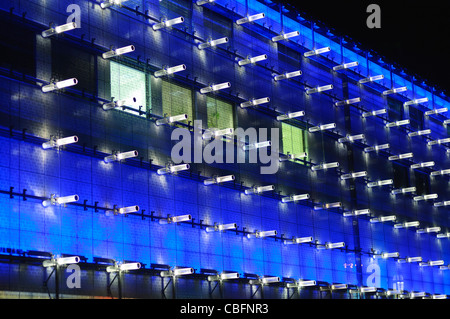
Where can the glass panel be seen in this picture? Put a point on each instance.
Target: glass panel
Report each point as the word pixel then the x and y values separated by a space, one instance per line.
pixel 128 83
pixel 294 140
pixel 176 100
pixel 220 114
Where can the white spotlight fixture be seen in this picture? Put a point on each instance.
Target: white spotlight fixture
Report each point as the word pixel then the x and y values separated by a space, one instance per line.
pixel 202 2
pixel 334 245
pixel 365 290
pixel 59 85
pixel 251 18
pixel 120 156
pixel 55 142
pixel 321 128
pixel 219 179
pixel 348 102
pixel 377 148
pixel 345 66
pixel 295 198
pixel 316 52
pixel 270 280
pixel 356 213
pixel 61 261
pixel 390 255
pixel 292 157
pixel 253 60
pixel 171 169
pixel 441 172
pixel 170 70
pixel 415 102
pixel 217 228
pixel 338 286
pixel 224 276
pixel 285 36
pixel 122 211
pixel 439 142
pixel 301 284
pixel 383 219
pixel 210 133
pixel 407 225
pixel 177 272
pixel 255 102
pixel 123 267
pixel 215 87
pixel 328 206
pixel 53 200
pixel 380 183
pixel 116 104
pixel 212 43
pixel 353 175
pixel 303 240
pixel 290 116
pixel 109 3
pixel 118 52
pixel 405 190
pixel 287 75
pixel 442 204
pixel 374 113
pixel 413 259
pixel 171 119
pixel 325 166
pixel 436 111
pixel 420 294
pixel 175 219
pixel 371 79
pixel 419 133
pixel 256 146
pixel 398 123
pixel 167 23
pixel 400 156
pixel 259 190
pixel 262 234
pixel 396 90
pixel 429 230
pixel 425 197
pixel 432 263
pixel 59 29
pixel 319 89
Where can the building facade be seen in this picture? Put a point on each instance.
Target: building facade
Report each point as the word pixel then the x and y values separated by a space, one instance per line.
pixel 356 207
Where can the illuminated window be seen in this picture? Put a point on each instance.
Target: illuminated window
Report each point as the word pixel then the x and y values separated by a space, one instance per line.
pixel 294 140
pixel 220 114
pixel 128 83
pixel 176 100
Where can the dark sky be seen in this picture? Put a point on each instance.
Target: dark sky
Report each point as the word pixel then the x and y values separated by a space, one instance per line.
pixel 416 36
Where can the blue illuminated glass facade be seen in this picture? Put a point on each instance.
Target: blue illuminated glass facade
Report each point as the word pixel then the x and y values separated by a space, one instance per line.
pixel 29 174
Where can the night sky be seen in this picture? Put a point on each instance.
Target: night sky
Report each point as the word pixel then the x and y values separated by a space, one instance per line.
pixel 415 36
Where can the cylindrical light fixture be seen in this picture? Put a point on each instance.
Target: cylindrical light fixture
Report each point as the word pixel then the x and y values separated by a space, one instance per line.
pixel 118 52
pixel 59 85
